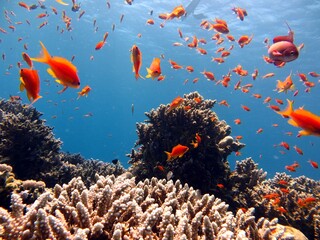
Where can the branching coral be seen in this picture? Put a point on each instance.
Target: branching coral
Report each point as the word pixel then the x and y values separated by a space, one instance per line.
pixel 166 128
pixel 294 201
pixel 118 208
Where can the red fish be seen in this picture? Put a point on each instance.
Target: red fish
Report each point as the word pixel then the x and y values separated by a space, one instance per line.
pixel 136 59
pixel 176 152
pixel 61 69
pixel 29 79
pixel 283 49
pixel 309 122
pixel 154 70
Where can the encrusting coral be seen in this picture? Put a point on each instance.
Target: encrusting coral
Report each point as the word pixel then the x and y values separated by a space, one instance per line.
pixel 167 127
pixel 118 208
pixel 294 201
pixel 29 146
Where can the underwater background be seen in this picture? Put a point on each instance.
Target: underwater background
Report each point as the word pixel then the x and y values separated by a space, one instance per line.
pixel 103 125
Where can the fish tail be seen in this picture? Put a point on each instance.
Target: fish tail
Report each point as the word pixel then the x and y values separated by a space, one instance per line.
pixel 168 155
pixel 288 111
pixel 138 76
pixel 44 57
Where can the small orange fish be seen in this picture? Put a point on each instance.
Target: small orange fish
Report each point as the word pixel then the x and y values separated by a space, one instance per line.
pixel 220 185
pixel 241 12
pixel 177 152
pixel 245 108
pixel 61 69
pixel 313 164
pixel 309 122
pixel 298 150
pixel 175 103
pixel 154 70
pixel 29 79
pixel 27 59
pixel 268 75
pixel 197 141
pixel 136 59
pixel 177 12
pixel 286 85
pixel 208 75
pixel 84 92
pixel 24 5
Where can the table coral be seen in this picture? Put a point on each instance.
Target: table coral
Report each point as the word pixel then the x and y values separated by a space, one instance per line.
pixel 166 128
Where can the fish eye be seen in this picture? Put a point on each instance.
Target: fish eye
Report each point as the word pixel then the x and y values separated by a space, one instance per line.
pixel 292 53
pixel 79 83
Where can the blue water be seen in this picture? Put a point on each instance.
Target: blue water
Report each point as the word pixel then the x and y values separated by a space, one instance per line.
pixel 110 132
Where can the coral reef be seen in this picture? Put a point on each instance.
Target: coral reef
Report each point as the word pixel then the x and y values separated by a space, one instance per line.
pixel 118 208
pixel 29 146
pixel 26 143
pixel 294 201
pixel 166 128
pixel 29 190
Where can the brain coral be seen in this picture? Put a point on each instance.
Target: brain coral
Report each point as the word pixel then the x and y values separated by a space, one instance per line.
pixel 118 208
pixel 166 128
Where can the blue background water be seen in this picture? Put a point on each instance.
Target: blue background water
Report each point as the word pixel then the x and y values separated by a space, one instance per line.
pixel 111 132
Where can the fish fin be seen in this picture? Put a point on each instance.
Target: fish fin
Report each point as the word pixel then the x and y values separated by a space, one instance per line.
pixel 279 63
pixel 22 85
pixel 60 82
pixel 44 56
pixel 293 123
pixel 63 89
pixel 149 73
pixel 168 155
pixel 62 3
pixel 304 133
pixel 138 76
pixel 50 71
pixel 287 112
pixel 277 53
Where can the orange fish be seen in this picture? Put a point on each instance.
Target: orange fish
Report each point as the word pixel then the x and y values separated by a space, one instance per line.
pixel 309 122
pixel 197 141
pixel 136 59
pixel 175 103
pixel 154 70
pixel 84 92
pixel 313 164
pixel 61 69
pixel 286 85
pixel 241 12
pixel 176 152
pixel 24 5
pixel 177 12
pixel 27 59
pixel 29 79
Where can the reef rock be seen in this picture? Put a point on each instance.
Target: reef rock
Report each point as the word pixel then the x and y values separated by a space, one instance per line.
pixel 205 164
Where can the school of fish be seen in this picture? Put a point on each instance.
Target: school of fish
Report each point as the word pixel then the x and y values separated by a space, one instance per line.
pixel 279 53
